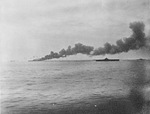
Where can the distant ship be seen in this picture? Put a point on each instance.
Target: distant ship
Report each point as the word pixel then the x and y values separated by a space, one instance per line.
pixel 140 59
pixel 106 59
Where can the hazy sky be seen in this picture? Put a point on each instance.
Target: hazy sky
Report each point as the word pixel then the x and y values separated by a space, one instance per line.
pixel 33 28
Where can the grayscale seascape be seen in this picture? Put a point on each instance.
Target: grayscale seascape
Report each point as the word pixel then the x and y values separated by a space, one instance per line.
pixel 74 56
pixel 70 87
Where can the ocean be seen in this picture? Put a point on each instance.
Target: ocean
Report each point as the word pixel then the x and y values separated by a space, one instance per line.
pixel 71 87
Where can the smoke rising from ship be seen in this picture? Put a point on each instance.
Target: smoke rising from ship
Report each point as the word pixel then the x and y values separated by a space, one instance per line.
pixel 136 41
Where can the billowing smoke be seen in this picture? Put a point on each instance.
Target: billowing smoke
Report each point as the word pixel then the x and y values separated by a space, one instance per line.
pixel 78 48
pixel 136 41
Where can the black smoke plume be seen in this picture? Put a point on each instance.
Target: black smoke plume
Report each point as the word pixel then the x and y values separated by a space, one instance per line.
pixel 78 48
pixel 136 41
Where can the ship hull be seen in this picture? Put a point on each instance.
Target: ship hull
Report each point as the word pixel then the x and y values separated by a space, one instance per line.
pixel 107 60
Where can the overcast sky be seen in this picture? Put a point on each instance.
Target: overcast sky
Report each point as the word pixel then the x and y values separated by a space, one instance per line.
pixel 33 28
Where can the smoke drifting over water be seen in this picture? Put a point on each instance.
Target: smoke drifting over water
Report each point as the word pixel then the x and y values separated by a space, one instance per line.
pixel 136 41
pixel 78 48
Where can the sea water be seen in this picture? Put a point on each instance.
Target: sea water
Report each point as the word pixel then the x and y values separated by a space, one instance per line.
pixel 39 87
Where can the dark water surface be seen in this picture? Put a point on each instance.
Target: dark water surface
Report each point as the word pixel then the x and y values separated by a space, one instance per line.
pixel 74 87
